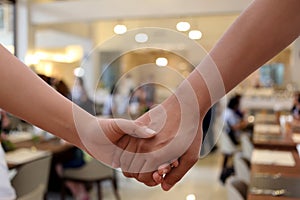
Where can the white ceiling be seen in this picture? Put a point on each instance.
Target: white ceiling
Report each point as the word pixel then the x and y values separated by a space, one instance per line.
pixel 45 12
pixel 49 12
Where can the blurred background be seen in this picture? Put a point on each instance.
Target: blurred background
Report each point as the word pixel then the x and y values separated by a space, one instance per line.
pixel 104 55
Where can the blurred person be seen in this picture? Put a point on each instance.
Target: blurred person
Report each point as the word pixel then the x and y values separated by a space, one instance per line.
pixel 124 91
pixel 110 105
pixel 295 111
pixel 150 90
pixel 137 103
pixel 4 121
pixel 234 122
pixel 80 96
pixel 61 87
pixel 4 130
pixel 7 192
pixel 208 124
pixel 238 111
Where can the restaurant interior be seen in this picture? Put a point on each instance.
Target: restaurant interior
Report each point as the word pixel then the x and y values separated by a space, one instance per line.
pixel 119 59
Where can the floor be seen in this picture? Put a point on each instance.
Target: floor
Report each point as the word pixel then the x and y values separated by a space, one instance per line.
pixel 201 183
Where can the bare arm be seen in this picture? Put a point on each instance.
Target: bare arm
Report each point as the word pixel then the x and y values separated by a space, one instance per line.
pixel 262 30
pixel 25 95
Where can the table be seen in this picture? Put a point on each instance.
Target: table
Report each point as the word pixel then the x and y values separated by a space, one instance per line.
pixel 269 140
pixel 265 118
pixel 61 152
pixel 271 136
pixel 269 103
pixel 286 172
pixel 54 145
pixel 278 141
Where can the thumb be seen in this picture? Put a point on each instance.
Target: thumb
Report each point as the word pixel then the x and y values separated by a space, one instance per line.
pixel 176 174
pixel 135 129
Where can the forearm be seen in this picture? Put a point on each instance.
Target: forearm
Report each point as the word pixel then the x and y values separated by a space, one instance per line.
pixel 25 95
pixel 262 31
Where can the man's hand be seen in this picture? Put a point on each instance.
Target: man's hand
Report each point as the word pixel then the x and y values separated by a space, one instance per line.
pixel 178 123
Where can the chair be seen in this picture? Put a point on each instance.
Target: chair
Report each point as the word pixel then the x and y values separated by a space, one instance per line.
pixel 236 189
pixel 92 172
pixel 37 193
pixel 247 146
pixel 227 147
pixel 241 167
pixel 31 180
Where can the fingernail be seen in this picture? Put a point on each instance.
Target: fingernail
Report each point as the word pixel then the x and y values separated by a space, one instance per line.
pixel 167 187
pixel 157 178
pixel 150 131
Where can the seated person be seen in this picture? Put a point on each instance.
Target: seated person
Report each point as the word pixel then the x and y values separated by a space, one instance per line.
pixel 296 107
pixel 78 190
pixel 6 189
pixel 234 123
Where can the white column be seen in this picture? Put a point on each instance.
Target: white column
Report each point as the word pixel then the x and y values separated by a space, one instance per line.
pixel 295 63
pixel 22 28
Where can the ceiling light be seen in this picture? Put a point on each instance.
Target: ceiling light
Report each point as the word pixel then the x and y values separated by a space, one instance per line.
pixel 183 26
pixel 141 37
pixel 190 197
pixel 79 72
pixel 195 34
pixel 161 62
pixel 120 29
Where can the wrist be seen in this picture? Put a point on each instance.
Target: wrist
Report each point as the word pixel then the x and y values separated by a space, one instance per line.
pixel 196 93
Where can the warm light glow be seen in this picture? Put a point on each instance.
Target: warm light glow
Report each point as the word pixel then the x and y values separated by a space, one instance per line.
pixel 120 29
pixel 48 69
pixel 41 55
pixel 79 72
pixel 141 37
pixel 251 119
pixel 190 197
pixel 161 62
pixel 73 53
pixel 70 54
pixel 31 59
pixel 183 26
pixel 59 57
pixel 195 35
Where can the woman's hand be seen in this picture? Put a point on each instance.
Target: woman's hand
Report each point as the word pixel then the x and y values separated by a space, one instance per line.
pixel 178 123
pixel 99 136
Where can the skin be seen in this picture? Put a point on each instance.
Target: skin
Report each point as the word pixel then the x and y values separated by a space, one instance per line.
pixel 242 49
pixel 262 30
pixel 25 95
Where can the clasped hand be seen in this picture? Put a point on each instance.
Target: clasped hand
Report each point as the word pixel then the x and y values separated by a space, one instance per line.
pixel 147 155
